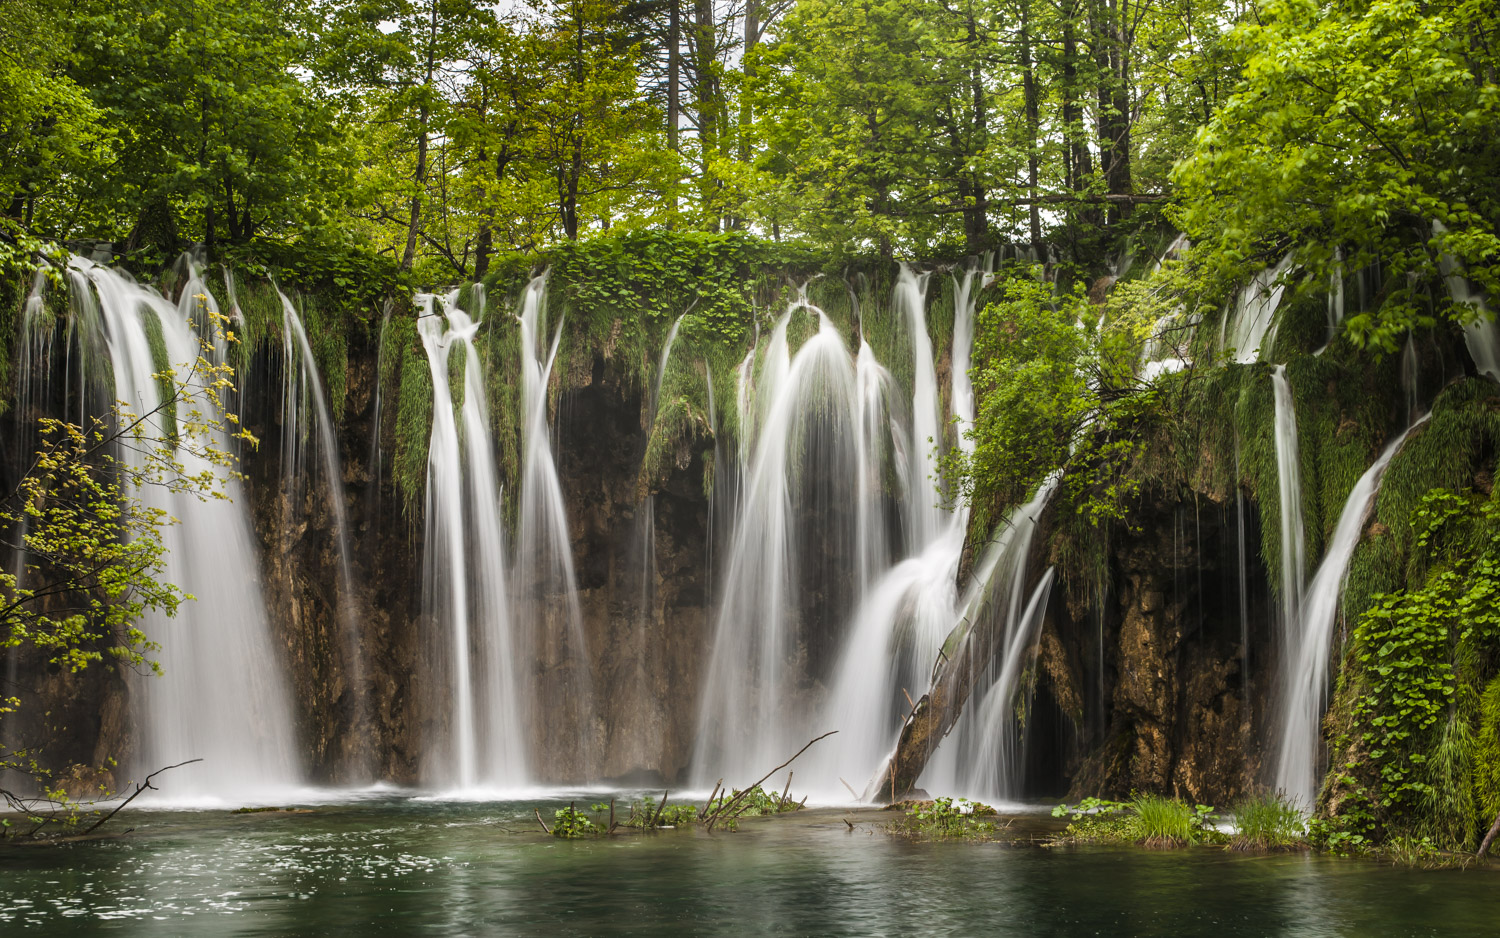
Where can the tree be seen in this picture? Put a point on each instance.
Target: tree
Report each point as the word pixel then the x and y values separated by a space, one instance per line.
pixel 1360 133
pixel 90 549
pixel 219 140
pixel 51 134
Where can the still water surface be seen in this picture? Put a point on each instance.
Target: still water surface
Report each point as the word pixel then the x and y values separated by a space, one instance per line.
pixel 392 866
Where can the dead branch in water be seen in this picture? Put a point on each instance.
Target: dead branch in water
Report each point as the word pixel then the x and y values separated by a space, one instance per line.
pixel 723 810
pixel 140 787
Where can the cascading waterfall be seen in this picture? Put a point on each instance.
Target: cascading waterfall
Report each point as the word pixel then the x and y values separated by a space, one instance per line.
pixel 1289 491
pixel 1249 326
pixel 979 758
pixel 547 609
pixel 221 696
pixel 905 606
pixel 754 705
pixel 304 402
pixel 377 464
pixel 1411 376
pixel 465 593
pixel 1304 688
pixel 1336 294
pixel 903 615
pixel 965 297
pixel 925 516
pixel 1481 334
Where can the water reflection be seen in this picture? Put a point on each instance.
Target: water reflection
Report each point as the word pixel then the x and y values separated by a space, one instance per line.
pixel 402 867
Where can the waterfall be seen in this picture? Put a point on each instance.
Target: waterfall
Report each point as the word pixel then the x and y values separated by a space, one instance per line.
pixel 304 389
pixel 965 298
pixel 754 704
pixel 1253 314
pixel 221 696
pixel 1336 294
pixel 1304 686
pixel 377 466
pixel 1289 490
pixel 925 517
pixel 979 757
pixel 1411 376
pixel 877 451
pixel 464 593
pixel 554 642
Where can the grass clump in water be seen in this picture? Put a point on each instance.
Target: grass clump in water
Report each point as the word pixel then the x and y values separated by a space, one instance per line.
pixel 1149 820
pixel 1268 821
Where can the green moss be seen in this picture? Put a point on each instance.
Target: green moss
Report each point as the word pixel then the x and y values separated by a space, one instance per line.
pixel 163 371
pixel 1456 445
pixel 1487 752
pixel 327 328
pixel 413 431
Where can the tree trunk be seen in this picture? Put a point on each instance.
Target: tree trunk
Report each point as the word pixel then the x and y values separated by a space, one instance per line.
pixel 674 41
pixel 409 256
pixel 1033 123
pixel 483 244
pixel 708 99
pixel 752 36
pixel 976 218
pixel 1112 58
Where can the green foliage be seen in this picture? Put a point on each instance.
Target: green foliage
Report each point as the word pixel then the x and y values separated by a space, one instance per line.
pixel 1268 821
pixel 945 818
pixel 413 417
pixel 644 815
pixel 1150 820
pixel 1168 822
pixel 1355 129
pixel 756 802
pixel 1409 710
pixel 90 549
pixel 1032 391
pixel 571 824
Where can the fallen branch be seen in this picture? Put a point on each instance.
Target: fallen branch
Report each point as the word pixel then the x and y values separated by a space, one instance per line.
pixel 1490 837
pixel 538 813
pixel 706 807
pixel 142 786
pixel 741 795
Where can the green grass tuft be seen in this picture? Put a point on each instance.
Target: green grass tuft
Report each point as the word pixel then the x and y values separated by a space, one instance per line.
pixel 1268 821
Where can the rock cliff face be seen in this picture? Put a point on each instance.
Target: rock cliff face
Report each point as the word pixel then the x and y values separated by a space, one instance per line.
pixel 1145 685
pixel 1183 692
pixel 643 567
pixel 1147 678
